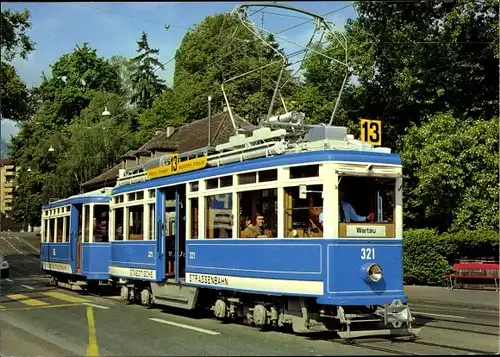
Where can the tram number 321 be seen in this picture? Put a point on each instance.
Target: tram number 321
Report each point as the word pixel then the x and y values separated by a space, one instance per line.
pixel 367 253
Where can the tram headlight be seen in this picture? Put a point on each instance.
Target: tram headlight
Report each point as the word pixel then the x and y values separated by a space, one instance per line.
pixel 375 273
pixel 372 273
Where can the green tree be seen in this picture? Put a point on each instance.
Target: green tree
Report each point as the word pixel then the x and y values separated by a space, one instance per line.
pixel 321 82
pixel 209 54
pixel 415 59
pixel 14 97
pixel 75 78
pixel 159 116
pixel 95 143
pixel 147 85
pixel 14 40
pixel 453 168
pixel 125 68
pixel 81 83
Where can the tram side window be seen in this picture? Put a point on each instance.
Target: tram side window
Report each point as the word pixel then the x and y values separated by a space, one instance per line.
pixel 118 212
pixel 366 199
pixel 302 215
pixel 152 221
pixel 135 222
pixel 194 218
pixel 59 236
pixel 80 226
pixel 48 233
pixel 258 214
pixel 68 229
pixel 87 223
pixel 101 223
pixel 219 216
pixel 51 229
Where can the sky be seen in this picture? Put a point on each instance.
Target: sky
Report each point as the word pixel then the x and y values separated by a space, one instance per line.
pixel 113 29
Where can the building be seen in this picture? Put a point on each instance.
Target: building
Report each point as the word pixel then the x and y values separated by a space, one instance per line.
pixel 7 175
pixel 185 138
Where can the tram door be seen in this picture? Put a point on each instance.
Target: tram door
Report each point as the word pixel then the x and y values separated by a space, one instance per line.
pixel 169 227
pixel 76 233
pixel 175 239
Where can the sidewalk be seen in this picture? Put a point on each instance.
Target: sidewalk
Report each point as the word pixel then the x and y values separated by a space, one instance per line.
pixel 440 296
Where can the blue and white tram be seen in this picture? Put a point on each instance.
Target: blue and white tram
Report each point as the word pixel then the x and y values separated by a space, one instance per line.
pixel 264 230
pixel 75 248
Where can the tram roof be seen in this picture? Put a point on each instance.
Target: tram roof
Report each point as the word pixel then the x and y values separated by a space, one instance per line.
pixel 306 157
pixel 96 196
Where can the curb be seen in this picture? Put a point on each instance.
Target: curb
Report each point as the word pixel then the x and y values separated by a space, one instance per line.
pixel 437 303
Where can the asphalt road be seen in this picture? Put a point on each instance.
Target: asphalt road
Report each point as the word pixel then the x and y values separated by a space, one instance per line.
pixel 37 319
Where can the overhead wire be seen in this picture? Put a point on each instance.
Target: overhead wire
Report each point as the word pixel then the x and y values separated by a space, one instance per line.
pixel 128 15
pixel 238 48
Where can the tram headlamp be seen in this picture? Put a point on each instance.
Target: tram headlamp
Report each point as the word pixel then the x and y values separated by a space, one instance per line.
pixel 372 273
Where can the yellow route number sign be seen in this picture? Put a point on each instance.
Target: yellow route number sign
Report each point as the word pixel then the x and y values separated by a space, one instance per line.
pixel 176 167
pixel 371 131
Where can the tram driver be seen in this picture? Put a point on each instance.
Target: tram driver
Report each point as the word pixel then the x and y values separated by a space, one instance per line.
pixel 347 213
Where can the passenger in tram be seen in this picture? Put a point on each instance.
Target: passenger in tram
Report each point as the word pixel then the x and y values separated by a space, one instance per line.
pixel 347 213
pixel 256 231
pixel 119 232
pixel 248 227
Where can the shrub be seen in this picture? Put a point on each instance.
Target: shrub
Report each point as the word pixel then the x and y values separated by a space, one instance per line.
pixel 427 256
pixel 422 262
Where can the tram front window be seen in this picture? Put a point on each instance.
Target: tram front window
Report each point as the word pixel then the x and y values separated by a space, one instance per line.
pixel 366 200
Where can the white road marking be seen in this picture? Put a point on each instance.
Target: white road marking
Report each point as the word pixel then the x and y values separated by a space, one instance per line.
pixel 188 327
pixel 27 287
pixel 97 306
pixel 10 280
pixel 440 315
pixel 26 242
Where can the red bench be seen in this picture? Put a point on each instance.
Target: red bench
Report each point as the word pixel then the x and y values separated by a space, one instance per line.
pixel 485 271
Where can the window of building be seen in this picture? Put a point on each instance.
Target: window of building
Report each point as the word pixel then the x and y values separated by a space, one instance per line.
pixel 87 223
pixel 302 215
pixel 219 216
pixel 194 218
pixel 101 223
pixel 68 229
pixel 258 216
pixel 59 227
pixel 152 222
pixel 247 178
pixel 135 222
pixel 118 212
pixel 304 171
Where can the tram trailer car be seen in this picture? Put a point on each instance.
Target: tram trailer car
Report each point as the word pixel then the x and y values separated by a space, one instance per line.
pixel 75 248
pixel 314 275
